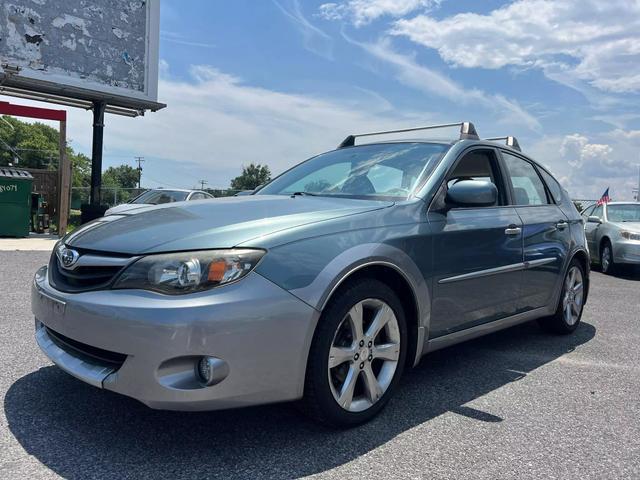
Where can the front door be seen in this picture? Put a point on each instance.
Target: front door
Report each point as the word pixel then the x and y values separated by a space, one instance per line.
pixel 591 230
pixel 477 253
pixel 546 233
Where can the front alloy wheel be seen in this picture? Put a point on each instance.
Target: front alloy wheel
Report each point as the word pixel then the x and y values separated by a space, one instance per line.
pixel 357 354
pixel 606 258
pixel 364 355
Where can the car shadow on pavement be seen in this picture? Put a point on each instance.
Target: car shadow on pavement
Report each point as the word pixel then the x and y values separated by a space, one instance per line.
pixel 79 431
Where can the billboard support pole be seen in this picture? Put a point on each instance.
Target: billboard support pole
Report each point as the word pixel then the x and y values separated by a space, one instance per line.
pixel 96 151
pixel 64 182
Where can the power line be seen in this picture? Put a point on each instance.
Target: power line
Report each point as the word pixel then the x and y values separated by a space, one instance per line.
pixel 202 184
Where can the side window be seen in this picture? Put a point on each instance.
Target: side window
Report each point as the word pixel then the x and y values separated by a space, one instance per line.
pixel 196 196
pixel 478 165
pixel 587 212
pixel 528 189
pixel 598 212
pixel 553 185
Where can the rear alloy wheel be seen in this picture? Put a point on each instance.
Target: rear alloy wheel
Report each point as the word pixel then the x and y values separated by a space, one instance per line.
pixel 606 258
pixel 357 355
pixel 569 311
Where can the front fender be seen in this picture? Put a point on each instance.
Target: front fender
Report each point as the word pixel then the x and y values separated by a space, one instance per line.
pixel 313 269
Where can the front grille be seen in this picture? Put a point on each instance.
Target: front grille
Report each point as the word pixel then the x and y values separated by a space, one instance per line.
pixel 84 277
pixel 88 353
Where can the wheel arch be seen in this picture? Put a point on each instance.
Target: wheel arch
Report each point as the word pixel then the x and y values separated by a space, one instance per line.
pixel 399 282
pixel 605 238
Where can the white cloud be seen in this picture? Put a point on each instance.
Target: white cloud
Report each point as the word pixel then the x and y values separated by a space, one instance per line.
pixel 577 150
pixel 573 41
pixel 361 12
pixel 419 77
pixel 587 165
pixel 215 123
pixel 315 40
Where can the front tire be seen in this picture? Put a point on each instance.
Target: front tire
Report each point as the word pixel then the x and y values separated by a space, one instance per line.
pixel 607 264
pixel 569 312
pixel 357 355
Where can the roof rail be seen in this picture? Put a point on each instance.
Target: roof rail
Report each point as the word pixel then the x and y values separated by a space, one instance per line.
pixel 510 142
pixel 467 131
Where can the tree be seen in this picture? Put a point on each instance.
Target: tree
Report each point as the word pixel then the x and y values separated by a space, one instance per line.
pixel 80 168
pixel 30 145
pixel 122 176
pixel 252 176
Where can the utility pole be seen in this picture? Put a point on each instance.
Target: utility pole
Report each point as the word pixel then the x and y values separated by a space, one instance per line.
pixel 638 189
pixel 202 184
pixel 139 160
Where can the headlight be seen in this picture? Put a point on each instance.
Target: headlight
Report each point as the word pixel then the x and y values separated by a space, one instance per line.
pixel 188 272
pixel 630 235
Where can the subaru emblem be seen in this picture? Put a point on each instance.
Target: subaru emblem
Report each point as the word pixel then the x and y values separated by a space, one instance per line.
pixel 67 257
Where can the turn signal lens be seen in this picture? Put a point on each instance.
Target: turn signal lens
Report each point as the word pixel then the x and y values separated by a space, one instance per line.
pixel 217 271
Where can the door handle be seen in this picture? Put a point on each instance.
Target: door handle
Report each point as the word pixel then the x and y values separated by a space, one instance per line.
pixel 513 230
pixel 562 224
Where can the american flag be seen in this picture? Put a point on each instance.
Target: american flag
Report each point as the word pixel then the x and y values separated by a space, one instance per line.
pixel 605 197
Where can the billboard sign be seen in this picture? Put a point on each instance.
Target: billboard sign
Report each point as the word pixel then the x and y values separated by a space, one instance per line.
pixel 87 50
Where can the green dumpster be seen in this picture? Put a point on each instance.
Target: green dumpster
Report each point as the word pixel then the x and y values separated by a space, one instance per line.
pixel 15 202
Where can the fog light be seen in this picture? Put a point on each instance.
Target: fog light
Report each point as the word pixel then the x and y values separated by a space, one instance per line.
pixel 211 370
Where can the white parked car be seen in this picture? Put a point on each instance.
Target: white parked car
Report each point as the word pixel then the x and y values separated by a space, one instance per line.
pixel 156 197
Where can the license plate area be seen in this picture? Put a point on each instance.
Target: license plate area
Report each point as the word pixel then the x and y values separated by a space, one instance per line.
pixel 51 306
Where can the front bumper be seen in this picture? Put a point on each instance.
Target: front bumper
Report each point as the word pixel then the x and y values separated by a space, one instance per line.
pixel 626 251
pixel 261 332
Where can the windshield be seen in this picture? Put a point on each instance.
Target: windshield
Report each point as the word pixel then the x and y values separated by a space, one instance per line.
pixel 156 197
pixel 623 213
pixel 380 170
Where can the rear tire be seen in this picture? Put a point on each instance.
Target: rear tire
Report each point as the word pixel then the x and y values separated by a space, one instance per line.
pixel 607 264
pixel 353 370
pixel 569 311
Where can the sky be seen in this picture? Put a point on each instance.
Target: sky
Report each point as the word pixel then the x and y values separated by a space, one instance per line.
pixel 277 81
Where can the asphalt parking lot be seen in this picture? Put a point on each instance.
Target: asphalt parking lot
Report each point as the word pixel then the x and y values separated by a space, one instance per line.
pixel 516 404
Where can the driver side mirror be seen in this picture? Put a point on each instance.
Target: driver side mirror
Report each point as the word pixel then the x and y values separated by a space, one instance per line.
pixel 472 193
pixel 593 219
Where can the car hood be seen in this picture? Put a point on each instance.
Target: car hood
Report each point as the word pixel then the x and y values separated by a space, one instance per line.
pixel 632 226
pixel 223 223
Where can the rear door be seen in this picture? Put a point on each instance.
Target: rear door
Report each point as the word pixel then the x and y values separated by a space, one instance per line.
pixel 546 234
pixel 477 252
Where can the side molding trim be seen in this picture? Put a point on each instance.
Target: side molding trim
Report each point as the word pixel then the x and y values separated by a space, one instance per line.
pixel 514 267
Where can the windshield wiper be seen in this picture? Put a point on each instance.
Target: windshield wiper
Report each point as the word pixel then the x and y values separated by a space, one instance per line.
pixel 303 194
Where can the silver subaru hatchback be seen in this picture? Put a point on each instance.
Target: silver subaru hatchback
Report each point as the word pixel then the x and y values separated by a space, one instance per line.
pixel 324 286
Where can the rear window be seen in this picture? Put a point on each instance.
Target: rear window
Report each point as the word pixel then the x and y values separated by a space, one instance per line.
pixel 528 189
pixel 553 185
